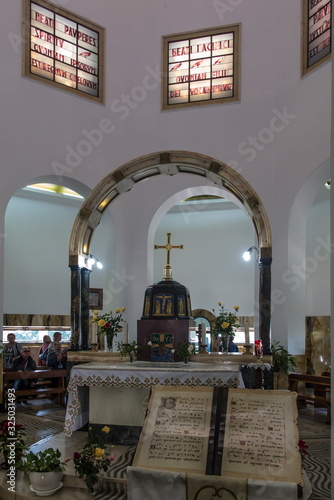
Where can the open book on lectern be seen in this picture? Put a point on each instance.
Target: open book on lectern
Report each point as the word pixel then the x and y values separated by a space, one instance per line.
pixel 219 431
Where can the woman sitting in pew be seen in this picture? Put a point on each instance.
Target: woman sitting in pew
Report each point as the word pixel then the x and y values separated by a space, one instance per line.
pixel 22 364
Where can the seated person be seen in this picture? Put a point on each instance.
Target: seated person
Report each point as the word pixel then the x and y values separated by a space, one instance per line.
pixel 56 338
pixel 22 364
pixel 46 343
pixel 231 347
pixel 11 351
pixel 57 358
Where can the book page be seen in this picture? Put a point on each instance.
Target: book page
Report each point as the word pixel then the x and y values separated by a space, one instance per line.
pixel 261 436
pixel 176 430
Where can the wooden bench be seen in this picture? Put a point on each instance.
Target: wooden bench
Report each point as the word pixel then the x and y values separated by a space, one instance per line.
pixel 321 391
pixel 44 378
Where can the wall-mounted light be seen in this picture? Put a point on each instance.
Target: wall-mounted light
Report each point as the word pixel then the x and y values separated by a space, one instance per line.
pixel 91 260
pixel 247 255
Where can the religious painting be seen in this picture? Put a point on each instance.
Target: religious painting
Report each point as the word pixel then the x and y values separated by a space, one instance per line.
pixel 162 345
pixel 96 298
pixel 181 305
pixel 147 305
pixel 163 305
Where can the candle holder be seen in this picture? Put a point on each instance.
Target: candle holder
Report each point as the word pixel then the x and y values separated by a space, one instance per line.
pixel 248 349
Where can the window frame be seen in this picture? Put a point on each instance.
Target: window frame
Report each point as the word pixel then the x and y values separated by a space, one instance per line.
pixel 166 39
pixel 26 8
pixel 306 69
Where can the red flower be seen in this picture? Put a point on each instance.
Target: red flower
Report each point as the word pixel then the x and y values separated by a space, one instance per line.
pixel 112 458
pixel 107 325
pixel 76 455
pixel 66 460
pixel 302 446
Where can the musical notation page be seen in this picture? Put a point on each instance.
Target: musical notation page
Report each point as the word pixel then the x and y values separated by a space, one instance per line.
pixel 176 430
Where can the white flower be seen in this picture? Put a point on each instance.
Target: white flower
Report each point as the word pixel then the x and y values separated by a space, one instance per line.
pixel 149 343
pixel 172 351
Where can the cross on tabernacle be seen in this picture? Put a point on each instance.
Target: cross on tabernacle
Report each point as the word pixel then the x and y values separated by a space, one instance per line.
pixel 168 247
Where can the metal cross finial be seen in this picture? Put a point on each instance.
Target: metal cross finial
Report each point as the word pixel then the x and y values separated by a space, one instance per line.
pixel 168 247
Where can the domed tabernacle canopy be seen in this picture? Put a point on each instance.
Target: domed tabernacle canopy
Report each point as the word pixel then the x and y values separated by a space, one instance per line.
pixel 167 299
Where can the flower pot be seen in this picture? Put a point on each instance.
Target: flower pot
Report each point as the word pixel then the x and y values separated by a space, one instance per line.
pixel 45 481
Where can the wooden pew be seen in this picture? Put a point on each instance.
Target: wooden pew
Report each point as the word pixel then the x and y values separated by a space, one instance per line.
pixel 43 377
pixel 321 391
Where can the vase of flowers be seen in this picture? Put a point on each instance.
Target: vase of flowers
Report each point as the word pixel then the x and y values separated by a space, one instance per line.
pixel 110 325
pixel 184 350
pixel 93 458
pixel 225 323
pixel 12 443
pixel 130 350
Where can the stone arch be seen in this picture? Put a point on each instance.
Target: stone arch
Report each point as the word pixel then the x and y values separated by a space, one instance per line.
pixel 124 179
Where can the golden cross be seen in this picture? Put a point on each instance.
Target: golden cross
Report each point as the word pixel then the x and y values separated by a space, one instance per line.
pixel 168 247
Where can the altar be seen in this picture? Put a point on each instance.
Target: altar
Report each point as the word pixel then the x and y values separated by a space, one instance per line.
pixel 118 393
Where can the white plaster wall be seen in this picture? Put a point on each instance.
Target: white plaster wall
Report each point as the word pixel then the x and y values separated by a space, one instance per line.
pixel 37 277
pixel 290 114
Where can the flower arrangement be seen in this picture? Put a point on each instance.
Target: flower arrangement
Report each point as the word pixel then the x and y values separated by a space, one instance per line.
pixel 43 461
pixel 12 443
pixel 184 350
pixel 93 458
pixel 225 323
pixel 109 325
pixel 130 350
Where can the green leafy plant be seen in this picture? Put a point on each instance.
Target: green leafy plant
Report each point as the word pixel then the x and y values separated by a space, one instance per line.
pixel 93 458
pixel 225 323
pixel 12 442
pixel 128 349
pixel 282 360
pixel 43 461
pixel 184 349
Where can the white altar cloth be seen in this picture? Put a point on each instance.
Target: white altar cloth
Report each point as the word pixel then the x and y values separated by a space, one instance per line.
pixel 141 375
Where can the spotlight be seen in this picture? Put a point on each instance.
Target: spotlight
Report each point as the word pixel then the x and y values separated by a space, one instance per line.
pixel 247 255
pixel 91 260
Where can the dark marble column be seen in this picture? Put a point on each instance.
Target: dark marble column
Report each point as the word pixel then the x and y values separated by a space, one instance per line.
pixel 75 306
pixel 265 299
pixel 84 344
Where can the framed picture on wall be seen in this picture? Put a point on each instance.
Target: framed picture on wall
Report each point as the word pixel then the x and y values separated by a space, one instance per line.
pixel 96 298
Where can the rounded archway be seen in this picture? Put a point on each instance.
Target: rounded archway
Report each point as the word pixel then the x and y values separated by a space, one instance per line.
pixel 124 179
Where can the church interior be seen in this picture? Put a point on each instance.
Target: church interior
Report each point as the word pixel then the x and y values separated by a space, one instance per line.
pixel 135 147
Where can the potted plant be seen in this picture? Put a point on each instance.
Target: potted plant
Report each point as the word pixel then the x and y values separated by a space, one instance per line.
pixel 184 350
pixel 283 363
pixel 12 443
pixel 44 468
pixel 130 350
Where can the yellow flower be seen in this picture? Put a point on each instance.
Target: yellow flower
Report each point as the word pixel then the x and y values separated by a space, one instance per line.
pixel 236 308
pixel 225 325
pixel 101 322
pixel 95 319
pixel 118 310
pixel 95 312
pixel 120 329
pixel 123 309
pixel 98 453
pixel 106 429
pixel 219 303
